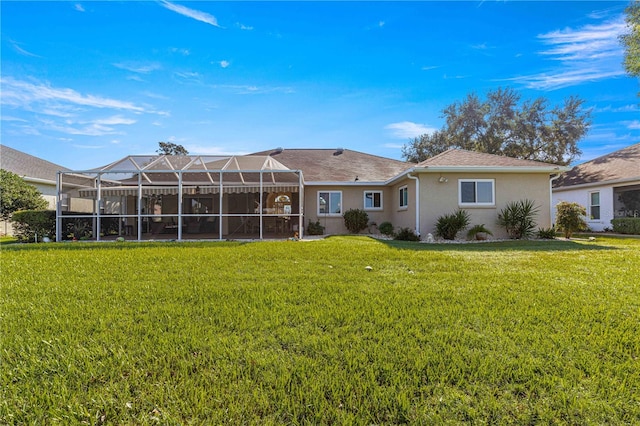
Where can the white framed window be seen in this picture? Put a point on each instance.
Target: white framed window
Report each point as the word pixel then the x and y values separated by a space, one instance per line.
pixel 404 197
pixel 594 205
pixel 476 192
pixel 330 203
pixel 373 200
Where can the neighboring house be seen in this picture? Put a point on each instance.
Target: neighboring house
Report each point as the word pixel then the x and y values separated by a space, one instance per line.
pixel 35 171
pixel 277 193
pixel 608 187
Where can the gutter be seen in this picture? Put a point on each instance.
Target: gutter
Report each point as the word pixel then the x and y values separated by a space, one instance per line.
pixel 553 177
pixel 417 179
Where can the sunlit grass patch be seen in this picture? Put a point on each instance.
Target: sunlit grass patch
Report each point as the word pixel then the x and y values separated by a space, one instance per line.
pixel 292 332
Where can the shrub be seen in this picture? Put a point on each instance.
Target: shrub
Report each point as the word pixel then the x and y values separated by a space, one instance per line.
pixel 475 230
pixel 315 228
pixel 449 225
pixel 29 223
pixel 547 233
pixel 570 218
pixel 355 220
pixel 626 225
pixel 386 228
pixel 406 234
pixel 518 218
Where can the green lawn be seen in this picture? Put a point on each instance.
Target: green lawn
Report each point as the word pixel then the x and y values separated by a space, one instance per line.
pixel 301 333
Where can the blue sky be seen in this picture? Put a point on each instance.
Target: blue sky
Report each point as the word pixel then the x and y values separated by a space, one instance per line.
pixel 86 83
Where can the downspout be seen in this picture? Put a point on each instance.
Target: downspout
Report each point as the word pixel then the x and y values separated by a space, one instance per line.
pixel 410 176
pixel 553 177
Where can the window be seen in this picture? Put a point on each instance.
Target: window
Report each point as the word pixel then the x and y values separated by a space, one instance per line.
pixel 330 203
pixel 594 205
pixel 479 192
pixel 404 197
pixel 373 200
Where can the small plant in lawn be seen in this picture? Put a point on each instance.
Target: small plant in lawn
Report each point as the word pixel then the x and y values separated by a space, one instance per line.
pixel 546 233
pixel 314 228
pixel 386 228
pixel 449 225
pixel 406 234
pixel 518 219
pixel 355 220
pixel 570 218
pixel 478 232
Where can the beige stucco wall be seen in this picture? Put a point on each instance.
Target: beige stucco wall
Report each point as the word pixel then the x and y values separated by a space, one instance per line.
pixel 403 217
pixel 352 198
pixel 439 198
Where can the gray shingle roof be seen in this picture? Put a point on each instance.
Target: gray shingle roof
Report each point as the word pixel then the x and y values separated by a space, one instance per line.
pixel 620 165
pixel 331 165
pixel 464 158
pixel 26 165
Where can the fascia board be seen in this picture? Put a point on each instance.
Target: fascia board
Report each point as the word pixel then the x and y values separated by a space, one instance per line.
pixel 596 184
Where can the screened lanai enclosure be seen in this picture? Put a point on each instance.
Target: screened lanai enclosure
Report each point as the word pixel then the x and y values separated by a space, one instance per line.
pixel 181 197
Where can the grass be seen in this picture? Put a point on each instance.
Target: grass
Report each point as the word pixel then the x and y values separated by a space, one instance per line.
pixel 300 333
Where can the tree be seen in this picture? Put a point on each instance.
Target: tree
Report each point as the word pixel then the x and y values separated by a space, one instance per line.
pixel 16 194
pixel 631 40
pixel 503 125
pixel 170 148
pixel 570 218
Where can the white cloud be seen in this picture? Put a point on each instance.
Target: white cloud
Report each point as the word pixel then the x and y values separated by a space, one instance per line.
pixel 408 129
pixel 79 7
pixel 429 67
pixel 114 120
pixel 137 67
pixel 586 54
pixel 191 13
pixel 24 94
pixel 183 51
pixel 633 125
pixel 224 64
pixel 9 118
pixel 22 51
pixel 381 24
pixel 244 27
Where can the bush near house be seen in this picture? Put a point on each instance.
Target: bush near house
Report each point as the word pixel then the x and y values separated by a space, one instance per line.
pixel 386 228
pixel 27 224
pixel 518 218
pixel 626 225
pixel 356 220
pixel 570 218
pixel 314 228
pixel 406 234
pixel 449 225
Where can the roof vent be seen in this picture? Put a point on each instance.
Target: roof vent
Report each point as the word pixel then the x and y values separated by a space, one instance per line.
pixel 338 151
pixel 278 150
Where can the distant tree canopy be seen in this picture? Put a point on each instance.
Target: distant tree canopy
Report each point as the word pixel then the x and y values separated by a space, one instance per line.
pixel 16 194
pixel 170 148
pixel 501 124
pixel 631 40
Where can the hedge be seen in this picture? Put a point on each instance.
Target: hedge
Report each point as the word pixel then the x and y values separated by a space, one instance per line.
pixel 626 225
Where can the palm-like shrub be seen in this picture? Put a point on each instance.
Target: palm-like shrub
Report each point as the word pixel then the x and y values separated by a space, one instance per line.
pixel 449 225
pixel 518 218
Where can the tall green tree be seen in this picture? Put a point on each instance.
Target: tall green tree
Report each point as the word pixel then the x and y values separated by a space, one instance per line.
pixel 502 124
pixel 170 148
pixel 631 39
pixel 16 194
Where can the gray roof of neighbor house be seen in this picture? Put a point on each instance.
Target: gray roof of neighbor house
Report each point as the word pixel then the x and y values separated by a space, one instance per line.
pixel 621 165
pixel 463 158
pixel 338 165
pixel 28 166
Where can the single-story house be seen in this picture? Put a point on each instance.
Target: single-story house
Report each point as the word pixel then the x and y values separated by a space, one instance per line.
pixel 277 193
pixel 608 187
pixel 35 171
